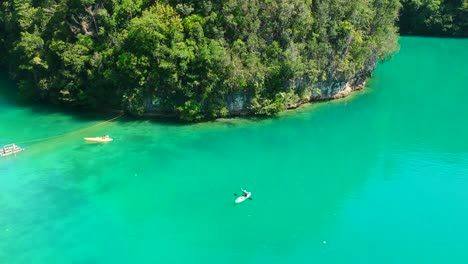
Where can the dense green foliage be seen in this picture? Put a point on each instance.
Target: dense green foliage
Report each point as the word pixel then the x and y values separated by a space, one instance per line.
pixel 191 58
pixel 434 17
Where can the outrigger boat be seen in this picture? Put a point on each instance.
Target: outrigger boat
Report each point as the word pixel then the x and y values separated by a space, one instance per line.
pixel 10 149
pixel 103 139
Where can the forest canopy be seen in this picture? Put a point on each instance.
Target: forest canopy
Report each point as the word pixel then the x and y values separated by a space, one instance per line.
pixel 448 18
pixel 193 59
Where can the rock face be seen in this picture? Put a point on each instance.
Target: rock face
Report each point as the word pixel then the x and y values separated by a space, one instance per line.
pixel 238 104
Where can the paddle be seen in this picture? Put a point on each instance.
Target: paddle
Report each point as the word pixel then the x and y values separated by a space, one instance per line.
pixel 236 195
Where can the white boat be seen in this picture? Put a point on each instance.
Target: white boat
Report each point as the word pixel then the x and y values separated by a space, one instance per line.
pixel 242 198
pixel 103 139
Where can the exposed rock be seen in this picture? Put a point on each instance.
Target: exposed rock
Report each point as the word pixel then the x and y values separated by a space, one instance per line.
pixel 237 104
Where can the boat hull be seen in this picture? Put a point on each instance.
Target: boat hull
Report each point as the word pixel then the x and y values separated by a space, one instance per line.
pixel 98 140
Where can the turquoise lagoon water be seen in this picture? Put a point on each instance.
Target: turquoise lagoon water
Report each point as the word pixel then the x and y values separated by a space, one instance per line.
pixel 379 177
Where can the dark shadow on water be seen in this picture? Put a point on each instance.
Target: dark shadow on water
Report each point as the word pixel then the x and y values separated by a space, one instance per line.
pixel 9 94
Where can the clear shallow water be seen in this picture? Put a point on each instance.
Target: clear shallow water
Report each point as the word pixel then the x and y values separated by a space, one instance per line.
pixel 381 176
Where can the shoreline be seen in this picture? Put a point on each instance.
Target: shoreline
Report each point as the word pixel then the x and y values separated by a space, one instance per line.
pixel 341 94
pixel 348 90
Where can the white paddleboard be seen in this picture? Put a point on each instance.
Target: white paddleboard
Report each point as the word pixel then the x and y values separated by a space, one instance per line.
pixel 242 198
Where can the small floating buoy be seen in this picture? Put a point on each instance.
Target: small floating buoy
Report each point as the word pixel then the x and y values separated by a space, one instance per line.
pixel 324 242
